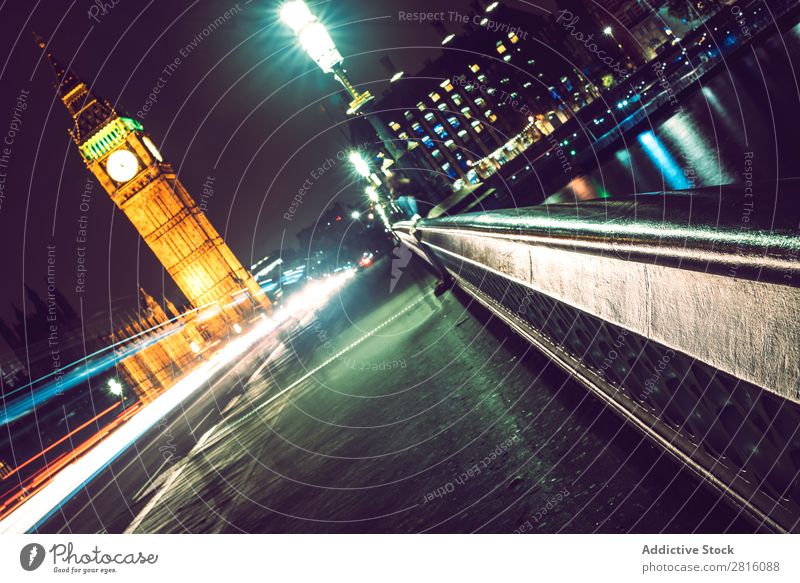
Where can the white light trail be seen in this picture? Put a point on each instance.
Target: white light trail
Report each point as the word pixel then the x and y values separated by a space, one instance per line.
pixel 44 502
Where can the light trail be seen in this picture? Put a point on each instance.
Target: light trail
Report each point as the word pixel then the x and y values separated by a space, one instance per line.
pixel 74 476
pixel 77 468
pixel 23 405
pixel 63 439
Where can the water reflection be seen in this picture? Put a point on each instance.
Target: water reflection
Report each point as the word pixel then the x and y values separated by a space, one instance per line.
pixel 701 161
pixel 672 173
pixel 748 107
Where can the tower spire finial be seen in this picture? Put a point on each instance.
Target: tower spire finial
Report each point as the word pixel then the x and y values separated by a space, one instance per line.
pixel 39 40
pixel 88 111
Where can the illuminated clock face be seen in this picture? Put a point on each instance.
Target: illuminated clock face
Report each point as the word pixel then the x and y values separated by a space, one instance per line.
pixel 122 165
pixel 152 147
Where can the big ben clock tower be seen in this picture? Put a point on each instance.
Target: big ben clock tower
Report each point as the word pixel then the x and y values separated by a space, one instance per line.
pixel 129 166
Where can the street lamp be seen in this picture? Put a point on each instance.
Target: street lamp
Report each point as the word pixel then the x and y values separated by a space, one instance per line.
pixel 372 194
pixel 115 387
pixel 316 41
pixel 359 164
pixel 608 31
pixel 356 215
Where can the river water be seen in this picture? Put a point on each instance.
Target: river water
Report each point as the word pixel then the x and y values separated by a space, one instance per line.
pixel 745 109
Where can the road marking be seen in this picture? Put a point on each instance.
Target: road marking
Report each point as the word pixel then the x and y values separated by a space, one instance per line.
pixel 201 422
pixel 153 501
pixel 152 482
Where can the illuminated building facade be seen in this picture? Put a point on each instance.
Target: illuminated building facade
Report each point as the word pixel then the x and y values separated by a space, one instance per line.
pixel 492 93
pixel 127 163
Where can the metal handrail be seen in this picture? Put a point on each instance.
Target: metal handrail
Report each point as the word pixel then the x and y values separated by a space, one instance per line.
pixel 716 230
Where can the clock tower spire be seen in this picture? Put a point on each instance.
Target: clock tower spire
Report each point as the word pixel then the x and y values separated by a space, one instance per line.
pixel 125 160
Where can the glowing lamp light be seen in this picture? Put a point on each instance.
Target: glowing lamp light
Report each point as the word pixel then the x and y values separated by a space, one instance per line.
pixel 448 38
pixel 115 387
pixel 491 6
pixel 396 76
pixel 356 215
pixel 608 31
pixel 372 193
pixel 316 41
pixel 312 34
pixel 195 347
pixel 360 164
pixel 297 15
pixel 237 328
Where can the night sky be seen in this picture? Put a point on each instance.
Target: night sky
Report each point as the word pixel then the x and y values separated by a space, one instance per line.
pixel 239 108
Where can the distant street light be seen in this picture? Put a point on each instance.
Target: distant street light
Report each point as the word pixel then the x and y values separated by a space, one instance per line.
pixel 115 387
pixel 608 31
pixel 359 164
pixel 372 194
pixel 317 42
pixel 356 215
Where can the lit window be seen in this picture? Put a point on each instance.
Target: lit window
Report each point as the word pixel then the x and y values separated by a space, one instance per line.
pixel 480 101
pixel 512 36
pixel 408 115
pixel 467 113
pixel 436 154
pixel 434 96
pixel 474 68
pixel 490 116
pixel 429 116
pixel 442 106
pixel 453 121
pixel 482 78
pixel 446 85
pixel 507 58
pixel 456 98
pixel 428 142
pixel 421 106
pixel 451 144
pixel 403 136
pixel 501 48
pixel 439 129
pixel 477 125
pixel 464 135
pixel 394 125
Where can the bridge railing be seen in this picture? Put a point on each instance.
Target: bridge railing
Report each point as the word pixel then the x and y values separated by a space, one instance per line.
pixel 679 310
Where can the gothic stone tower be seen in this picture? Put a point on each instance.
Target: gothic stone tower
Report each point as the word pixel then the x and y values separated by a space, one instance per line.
pixel 128 165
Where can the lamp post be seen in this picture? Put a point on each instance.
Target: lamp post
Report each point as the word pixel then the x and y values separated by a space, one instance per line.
pixel 315 40
pixel 362 168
